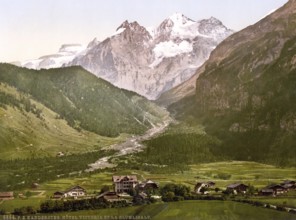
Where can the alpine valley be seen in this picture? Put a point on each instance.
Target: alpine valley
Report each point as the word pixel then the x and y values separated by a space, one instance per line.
pixel 187 120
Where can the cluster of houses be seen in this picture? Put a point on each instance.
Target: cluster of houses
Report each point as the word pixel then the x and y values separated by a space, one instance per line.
pixel 235 188
pixel 276 189
pixel 122 186
pixel 240 188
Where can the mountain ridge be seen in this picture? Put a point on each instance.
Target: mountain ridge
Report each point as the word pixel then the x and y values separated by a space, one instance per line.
pixel 83 100
pixel 244 93
pixel 148 62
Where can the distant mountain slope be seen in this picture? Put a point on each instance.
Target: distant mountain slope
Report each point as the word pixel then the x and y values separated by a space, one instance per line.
pixel 245 95
pixel 151 62
pixel 83 100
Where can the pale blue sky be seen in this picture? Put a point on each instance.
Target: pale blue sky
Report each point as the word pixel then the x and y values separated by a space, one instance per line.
pixel 31 28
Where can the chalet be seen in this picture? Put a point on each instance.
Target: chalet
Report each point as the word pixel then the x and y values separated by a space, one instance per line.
pixel 6 195
pixel 201 188
pixel 237 188
pixel 266 192
pixel 124 183
pixel 277 189
pixel 58 195
pixel 289 184
pixel 147 185
pixel 111 197
pixel 76 191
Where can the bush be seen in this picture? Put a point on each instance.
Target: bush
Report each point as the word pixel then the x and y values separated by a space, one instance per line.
pixel 178 198
pixel 280 208
pixel 28 210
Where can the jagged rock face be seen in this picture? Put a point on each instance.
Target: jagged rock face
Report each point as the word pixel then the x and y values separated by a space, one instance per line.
pixel 151 62
pixel 147 62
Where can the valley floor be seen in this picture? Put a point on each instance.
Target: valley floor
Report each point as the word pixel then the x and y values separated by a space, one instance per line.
pixel 222 173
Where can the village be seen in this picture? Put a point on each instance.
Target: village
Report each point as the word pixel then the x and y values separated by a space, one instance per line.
pixel 127 190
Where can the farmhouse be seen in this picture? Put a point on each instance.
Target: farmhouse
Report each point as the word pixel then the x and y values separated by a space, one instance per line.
pixel 237 188
pixel 147 185
pixel 266 192
pixel 76 191
pixel 201 188
pixel 277 189
pixel 58 195
pixel 6 195
pixel 124 183
pixel 111 197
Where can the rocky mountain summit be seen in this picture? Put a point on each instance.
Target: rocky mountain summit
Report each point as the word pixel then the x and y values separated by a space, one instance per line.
pixel 147 61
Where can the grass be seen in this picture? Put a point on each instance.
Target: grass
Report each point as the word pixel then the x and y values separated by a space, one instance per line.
pixel 258 175
pixel 287 199
pixel 10 205
pixel 206 210
pixel 23 135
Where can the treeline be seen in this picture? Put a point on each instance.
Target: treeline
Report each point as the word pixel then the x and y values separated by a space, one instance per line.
pixel 176 149
pixel 52 206
pixel 21 173
pixel 23 104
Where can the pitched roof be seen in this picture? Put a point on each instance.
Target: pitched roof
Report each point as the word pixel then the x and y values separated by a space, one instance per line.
pixel 58 193
pixel 75 188
pixel 271 186
pixel 117 179
pixel 234 185
pixel 289 182
pixel 211 183
pixel 266 190
pixel 148 182
pixel 287 185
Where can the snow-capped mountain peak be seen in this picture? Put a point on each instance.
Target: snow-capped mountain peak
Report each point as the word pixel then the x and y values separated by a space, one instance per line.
pixel 179 19
pixel 148 61
pixel 66 54
pixel 93 43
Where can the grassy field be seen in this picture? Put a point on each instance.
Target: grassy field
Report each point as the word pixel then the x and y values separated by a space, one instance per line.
pixel 256 174
pixel 10 205
pixel 287 199
pixel 23 135
pixel 201 210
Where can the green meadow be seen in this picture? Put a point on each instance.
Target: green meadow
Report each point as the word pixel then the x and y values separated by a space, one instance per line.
pixel 256 174
pixel 201 210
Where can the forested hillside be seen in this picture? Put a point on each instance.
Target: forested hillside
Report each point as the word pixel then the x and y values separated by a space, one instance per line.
pixel 66 109
pixel 246 95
